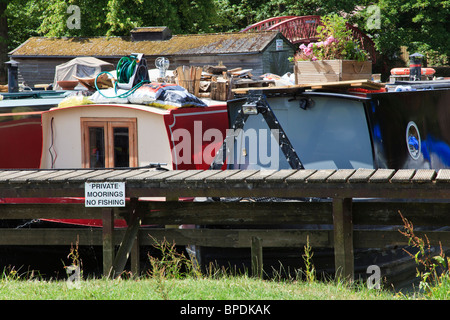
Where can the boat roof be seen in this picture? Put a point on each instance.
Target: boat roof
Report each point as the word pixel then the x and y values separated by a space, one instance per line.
pixel 141 107
pixel 34 99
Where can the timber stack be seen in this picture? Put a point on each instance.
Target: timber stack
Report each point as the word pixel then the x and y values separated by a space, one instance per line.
pixel 216 82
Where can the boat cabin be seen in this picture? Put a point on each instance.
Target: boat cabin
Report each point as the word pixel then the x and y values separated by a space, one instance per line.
pixel 340 126
pixel 131 135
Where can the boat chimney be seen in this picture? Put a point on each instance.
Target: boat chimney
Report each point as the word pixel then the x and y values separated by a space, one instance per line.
pixel 415 67
pixel 13 75
pixel 151 34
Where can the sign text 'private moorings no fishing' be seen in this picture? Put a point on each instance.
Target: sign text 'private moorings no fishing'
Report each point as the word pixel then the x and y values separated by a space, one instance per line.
pixel 104 194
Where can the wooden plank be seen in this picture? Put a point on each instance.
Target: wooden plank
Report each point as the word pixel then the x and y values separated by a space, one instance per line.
pixel 300 176
pixel 424 175
pixel 320 175
pixel 361 175
pixel 178 178
pixel 164 175
pixel 231 213
pixel 221 176
pixel 127 174
pixel 260 176
pixel 403 176
pixel 200 177
pixel 385 238
pixel 238 238
pixel 4 173
pixel 387 213
pixel 54 236
pixel 280 175
pixel 48 211
pixel 443 175
pixel 341 175
pixel 241 176
pixel 15 174
pixel 106 175
pixel 67 175
pixel 142 176
pixel 50 176
pixel 87 175
pixel 35 176
pixel 382 175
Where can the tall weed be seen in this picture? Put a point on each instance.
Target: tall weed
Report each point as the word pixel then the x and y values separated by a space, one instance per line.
pixel 433 270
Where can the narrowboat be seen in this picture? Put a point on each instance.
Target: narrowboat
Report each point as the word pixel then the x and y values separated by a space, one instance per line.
pixel 175 131
pixel 346 125
pixel 20 126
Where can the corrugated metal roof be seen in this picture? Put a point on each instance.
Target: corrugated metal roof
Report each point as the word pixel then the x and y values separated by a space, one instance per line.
pixel 219 43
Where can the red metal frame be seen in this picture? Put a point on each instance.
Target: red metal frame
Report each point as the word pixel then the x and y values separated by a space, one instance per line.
pixel 302 29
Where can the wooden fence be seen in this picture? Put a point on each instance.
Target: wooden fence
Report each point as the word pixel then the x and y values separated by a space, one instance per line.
pixel 354 197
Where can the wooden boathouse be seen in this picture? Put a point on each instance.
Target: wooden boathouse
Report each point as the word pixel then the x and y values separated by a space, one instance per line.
pixel 262 52
pixel 425 198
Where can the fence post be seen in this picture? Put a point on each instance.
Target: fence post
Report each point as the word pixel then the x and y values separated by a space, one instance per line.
pixel 257 257
pixel 130 237
pixel 343 238
pixel 108 241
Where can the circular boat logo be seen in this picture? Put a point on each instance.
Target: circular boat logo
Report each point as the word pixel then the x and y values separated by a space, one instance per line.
pixel 413 140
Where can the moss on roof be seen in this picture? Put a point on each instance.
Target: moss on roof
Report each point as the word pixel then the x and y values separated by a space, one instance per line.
pixel 120 46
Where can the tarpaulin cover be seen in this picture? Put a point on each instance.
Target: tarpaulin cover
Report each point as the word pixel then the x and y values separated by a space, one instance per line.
pixel 161 95
pixel 82 67
pixel 165 96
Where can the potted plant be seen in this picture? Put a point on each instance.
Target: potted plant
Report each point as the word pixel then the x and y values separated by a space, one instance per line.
pixel 337 56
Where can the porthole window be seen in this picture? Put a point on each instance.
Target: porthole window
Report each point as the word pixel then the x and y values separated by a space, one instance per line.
pixel 413 140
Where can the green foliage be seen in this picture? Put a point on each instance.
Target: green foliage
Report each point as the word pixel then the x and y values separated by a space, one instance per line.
pixel 310 270
pixel 433 270
pixel 336 42
pixel 420 25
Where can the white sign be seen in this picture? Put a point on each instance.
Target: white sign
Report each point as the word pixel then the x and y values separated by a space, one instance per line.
pixel 279 44
pixel 104 194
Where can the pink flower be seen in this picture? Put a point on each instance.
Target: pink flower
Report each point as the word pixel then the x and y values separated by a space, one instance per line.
pixel 308 51
pixel 330 40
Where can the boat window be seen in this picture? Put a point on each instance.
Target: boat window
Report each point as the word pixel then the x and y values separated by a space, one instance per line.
pixel 96 147
pixel 109 142
pixel 121 147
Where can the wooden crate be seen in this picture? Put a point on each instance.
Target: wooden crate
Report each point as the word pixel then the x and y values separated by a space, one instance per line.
pixel 331 71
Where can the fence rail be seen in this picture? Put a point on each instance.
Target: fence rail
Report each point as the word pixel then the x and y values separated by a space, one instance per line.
pixel 349 198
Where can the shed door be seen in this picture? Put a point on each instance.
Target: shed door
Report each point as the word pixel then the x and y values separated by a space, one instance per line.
pixel 279 62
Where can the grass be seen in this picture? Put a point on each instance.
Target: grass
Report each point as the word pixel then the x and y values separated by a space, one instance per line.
pixel 175 277
pixel 223 288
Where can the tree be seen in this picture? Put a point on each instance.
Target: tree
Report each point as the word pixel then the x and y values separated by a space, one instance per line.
pixel 420 25
pixel 3 40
